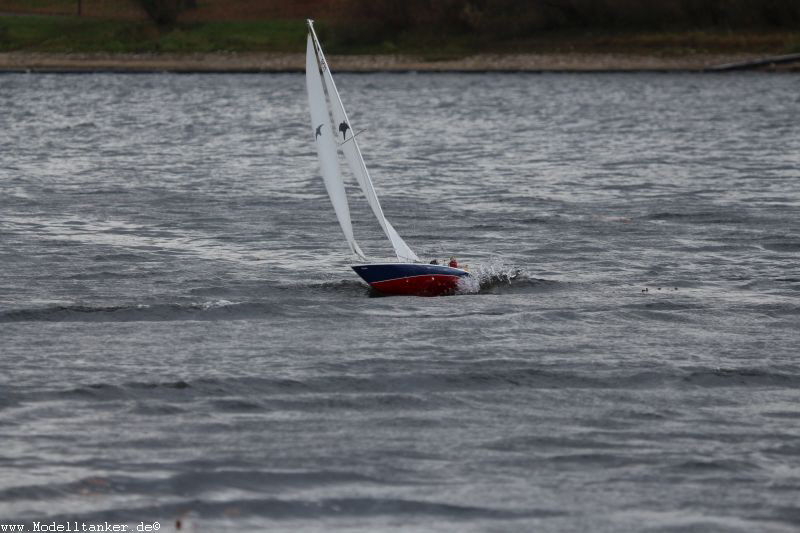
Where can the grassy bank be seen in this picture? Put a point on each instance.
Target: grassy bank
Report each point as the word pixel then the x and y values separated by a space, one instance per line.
pixel 62 34
pixel 72 34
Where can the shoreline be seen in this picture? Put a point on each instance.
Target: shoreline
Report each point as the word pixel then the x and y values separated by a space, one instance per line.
pixel 271 62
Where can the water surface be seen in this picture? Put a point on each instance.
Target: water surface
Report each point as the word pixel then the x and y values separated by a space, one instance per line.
pixel 182 337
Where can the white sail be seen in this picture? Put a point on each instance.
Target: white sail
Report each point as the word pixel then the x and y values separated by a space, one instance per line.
pixel 347 141
pixel 326 147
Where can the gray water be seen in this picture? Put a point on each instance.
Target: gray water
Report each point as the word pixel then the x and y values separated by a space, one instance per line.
pixel 181 337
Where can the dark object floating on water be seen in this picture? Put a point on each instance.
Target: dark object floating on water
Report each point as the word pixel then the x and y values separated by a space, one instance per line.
pixel 755 63
pixel 659 288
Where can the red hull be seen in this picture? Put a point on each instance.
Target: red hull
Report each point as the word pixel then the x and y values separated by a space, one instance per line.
pixel 425 285
pixel 411 279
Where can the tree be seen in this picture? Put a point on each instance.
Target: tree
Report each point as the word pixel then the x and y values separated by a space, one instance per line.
pixel 165 12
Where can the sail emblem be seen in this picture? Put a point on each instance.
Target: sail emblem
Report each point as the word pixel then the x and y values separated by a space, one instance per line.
pixel 319 131
pixel 343 127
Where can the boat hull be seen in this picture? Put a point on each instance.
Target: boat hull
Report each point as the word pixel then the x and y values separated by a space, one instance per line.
pixel 411 279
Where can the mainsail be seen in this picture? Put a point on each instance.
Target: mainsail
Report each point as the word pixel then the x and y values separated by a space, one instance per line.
pixel 316 64
pixel 326 147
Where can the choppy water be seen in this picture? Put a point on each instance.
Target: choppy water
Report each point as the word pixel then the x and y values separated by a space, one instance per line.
pixel 181 337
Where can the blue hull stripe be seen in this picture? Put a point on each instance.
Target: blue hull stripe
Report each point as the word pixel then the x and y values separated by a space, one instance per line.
pixel 389 271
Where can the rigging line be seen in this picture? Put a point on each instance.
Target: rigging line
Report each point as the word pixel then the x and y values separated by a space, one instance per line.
pixel 352 136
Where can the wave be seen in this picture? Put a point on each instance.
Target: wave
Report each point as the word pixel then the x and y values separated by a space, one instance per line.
pixel 111 391
pixel 209 310
pixel 195 510
pixel 782 245
pixel 345 287
pixel 498 277
pixel 409 390
pixel 280 508
pixel 194 482
pixel 720 217
pixel 741 377
pixel 709 467
pixel 494 277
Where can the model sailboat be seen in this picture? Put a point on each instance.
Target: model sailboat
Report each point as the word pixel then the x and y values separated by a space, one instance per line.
pixel 408 275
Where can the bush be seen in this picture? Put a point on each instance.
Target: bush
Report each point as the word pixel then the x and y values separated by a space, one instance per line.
pixel 513 18
pixel 165 12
